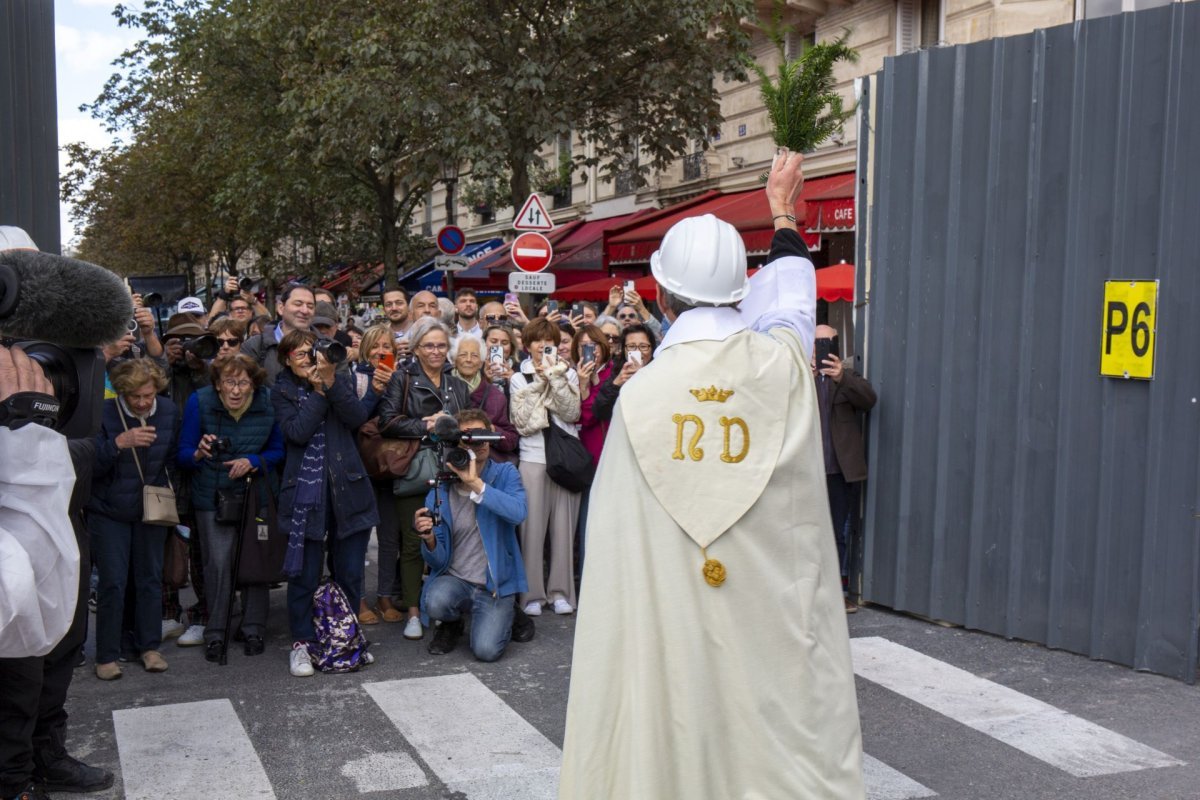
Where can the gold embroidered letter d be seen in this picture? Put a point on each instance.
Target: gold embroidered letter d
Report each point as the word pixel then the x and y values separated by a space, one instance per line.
pixel 727 423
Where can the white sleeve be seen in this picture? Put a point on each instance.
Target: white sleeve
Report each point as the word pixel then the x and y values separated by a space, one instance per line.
pixel 783 294
pixel 39 558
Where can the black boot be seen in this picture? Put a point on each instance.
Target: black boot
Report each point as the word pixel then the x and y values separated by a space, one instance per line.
pixel 67 774
pixel 522 627
pixel 445 638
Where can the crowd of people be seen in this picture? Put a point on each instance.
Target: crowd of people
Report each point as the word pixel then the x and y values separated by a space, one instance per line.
pixel 228 400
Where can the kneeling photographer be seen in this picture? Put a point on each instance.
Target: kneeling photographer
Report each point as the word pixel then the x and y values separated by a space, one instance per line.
pixel 229 433
pixel 469 534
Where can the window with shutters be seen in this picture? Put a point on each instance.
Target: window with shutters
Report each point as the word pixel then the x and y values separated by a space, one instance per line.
pixel 918 24
pixel 795 43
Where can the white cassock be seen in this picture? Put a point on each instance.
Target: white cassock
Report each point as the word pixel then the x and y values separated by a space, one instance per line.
pixel 39 557
pixel 682 690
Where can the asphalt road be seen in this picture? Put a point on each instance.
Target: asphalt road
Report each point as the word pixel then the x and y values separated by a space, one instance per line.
pixel 945 712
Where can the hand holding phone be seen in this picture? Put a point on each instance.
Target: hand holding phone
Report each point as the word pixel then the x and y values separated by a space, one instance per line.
pixel 388 360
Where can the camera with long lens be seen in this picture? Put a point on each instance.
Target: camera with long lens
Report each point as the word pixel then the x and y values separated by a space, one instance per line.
pixel 152 299
pixel 77 375
pixel 204 347
pixel 246 284
pixel 334 351
pixel 451 444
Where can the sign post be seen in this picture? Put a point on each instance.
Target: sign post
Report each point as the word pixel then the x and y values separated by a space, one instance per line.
pixel 1129 329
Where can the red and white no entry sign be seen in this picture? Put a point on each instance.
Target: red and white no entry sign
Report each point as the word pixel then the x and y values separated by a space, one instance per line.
pixel 531 252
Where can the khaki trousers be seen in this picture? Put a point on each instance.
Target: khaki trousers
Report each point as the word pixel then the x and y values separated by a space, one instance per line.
pixel 553 513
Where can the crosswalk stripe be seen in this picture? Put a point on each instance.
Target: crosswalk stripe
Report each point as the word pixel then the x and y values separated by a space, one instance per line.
pixel 1063 740
pixel 885 783
pixel 470 737
pixel 220 758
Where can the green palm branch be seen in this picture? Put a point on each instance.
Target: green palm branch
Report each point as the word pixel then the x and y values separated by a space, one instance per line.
pixel 801 102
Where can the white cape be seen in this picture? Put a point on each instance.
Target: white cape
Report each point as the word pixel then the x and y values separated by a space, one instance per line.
pixel 680 689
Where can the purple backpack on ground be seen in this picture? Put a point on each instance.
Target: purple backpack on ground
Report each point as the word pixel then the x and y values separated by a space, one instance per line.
pixel 340 644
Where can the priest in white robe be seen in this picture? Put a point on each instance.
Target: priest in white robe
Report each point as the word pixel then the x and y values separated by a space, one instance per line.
pixel 712 658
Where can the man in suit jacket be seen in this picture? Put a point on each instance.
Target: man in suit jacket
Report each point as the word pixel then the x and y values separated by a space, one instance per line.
pixel 842 393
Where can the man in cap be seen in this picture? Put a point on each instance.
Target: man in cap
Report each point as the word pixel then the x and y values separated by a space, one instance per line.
pixel 191 305
pixel 325 322
pixel 718 663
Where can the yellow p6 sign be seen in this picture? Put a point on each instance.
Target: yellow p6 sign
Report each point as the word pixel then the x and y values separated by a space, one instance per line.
pixel 1129 326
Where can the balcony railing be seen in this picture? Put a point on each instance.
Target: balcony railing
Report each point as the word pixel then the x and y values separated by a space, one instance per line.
pixel 693 167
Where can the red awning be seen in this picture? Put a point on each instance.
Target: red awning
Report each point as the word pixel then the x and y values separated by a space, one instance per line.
pixel 836 283
pixel 833 284
pixel 832 210
pixel 747 211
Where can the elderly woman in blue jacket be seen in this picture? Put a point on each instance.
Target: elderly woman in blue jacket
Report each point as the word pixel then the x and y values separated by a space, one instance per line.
pixel 474 559
pixel 326 499
pixel 134 448
pixel 228 434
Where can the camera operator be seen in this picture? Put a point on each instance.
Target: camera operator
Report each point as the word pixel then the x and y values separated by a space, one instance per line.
pixel 472 551
pixel 41 623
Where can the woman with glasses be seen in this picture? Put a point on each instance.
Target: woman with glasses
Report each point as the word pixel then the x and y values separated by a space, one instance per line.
pixel 485 395
pixel 230 334
pixel 612 334
pixel 229 433
pixel 637 350
pixel 418 394
pixel 326 499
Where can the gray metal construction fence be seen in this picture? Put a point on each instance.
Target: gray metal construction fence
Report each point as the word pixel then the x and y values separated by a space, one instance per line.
pixel 1012 489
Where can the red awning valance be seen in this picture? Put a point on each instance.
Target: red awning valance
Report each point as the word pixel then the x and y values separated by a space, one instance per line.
pixel 747 211
pixel 836 283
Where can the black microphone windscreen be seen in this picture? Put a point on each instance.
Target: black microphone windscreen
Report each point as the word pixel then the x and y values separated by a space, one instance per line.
pixel 444 427
pixel 62 300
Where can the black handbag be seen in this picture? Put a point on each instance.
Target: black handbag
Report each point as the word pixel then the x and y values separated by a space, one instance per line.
pixel 263 545
pixel 568 463
pixel 231 504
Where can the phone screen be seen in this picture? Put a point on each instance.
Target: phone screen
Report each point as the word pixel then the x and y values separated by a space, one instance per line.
pixel 388 360
pixel 589 352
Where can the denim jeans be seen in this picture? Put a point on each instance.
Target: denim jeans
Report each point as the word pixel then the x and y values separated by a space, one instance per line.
pixel 346 558
pixel 127 552
pixel 447 598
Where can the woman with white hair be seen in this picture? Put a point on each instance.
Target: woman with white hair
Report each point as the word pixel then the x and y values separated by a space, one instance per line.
pixel 416 396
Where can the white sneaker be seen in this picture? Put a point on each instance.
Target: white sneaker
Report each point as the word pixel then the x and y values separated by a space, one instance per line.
pixel 300 662
pixel 533 609
pixel 561 606
pixel 368 659
pixel 413 629
pixel 192 637
pixel 172 628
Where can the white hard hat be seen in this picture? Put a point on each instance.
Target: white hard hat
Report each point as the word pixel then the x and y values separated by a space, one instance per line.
pixel 702 259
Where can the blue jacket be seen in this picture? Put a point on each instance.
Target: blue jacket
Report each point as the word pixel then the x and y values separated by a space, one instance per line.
pixel 499 512
pixel 340 413
pixel 116 484
pixel 254 436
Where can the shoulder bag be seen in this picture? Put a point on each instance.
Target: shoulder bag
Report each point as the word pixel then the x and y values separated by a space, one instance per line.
pixel 568 463
pixel 384 457
pixel 158 502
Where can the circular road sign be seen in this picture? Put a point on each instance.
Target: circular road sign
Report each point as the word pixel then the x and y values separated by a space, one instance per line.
pixel 451 240
pixel 531 252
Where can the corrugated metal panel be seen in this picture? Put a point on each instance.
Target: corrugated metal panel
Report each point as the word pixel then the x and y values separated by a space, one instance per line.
pixel 29 121
pixel 1012 489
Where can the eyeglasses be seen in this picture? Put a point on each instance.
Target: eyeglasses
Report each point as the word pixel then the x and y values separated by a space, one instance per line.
pixel 642 348
pixel 230 383
pixel 495 318
pixel 626 316
pixel 230 342
pixel 613 339
pixel 435 348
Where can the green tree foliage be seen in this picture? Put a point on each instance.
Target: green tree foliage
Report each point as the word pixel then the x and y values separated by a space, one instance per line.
pixel 802 103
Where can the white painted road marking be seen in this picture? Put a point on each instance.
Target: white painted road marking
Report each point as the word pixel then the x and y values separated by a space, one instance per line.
pixel 187 751
pixel 1063 740
pixel 384 772
pixel 884 783
pixel 470 737
pixel 532 251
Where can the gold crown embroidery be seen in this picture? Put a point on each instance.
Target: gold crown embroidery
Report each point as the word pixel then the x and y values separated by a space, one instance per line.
pixel 712 393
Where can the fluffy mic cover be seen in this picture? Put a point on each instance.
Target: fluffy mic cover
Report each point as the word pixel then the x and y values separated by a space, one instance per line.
pixel 61 300
pixel 445 428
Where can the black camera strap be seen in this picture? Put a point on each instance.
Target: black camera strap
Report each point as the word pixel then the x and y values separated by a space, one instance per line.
pixel 22 408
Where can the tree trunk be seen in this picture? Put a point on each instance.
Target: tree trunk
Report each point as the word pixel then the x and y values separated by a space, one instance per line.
pixel 518 185
pixel 385 201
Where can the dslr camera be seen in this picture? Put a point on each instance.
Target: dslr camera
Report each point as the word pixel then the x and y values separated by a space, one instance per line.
pixel 204 347
pixel 334 351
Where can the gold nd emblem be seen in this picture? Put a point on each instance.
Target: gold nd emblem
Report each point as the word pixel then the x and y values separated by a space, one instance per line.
pixel 694 451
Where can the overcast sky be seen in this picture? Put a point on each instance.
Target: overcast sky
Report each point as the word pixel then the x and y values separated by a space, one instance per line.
pixel 87 39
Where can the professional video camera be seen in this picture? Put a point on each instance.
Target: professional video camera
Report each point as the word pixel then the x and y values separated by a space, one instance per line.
pixel 41 313
pixel 452 449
